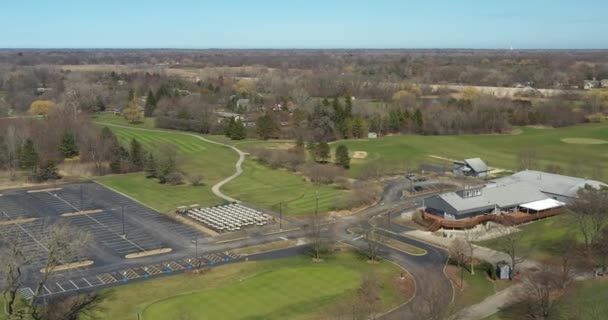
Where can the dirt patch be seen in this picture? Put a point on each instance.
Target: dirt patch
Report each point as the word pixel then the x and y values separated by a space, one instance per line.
pixel 148 253
pixel 453 273
pixel 69 266
pixel 405 285
pixel 43 190
pixel 195 225
pixel 15 221
pixel 270 246
pixel 583 141
pixel 359 155
pixel 80 213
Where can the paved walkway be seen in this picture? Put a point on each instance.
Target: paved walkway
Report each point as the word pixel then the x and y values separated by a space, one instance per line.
pixel 216 188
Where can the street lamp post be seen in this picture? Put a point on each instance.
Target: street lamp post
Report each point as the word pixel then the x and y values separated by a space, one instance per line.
pixel 281 215
pixel 123 220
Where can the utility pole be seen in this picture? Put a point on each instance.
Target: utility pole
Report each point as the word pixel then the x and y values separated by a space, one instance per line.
pixel 388 216
pixel 281 215
pixel 316 202
pixel 196 248
pixel 81 196
pixel 124 235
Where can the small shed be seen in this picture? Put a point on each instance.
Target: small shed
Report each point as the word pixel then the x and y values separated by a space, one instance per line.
pixel 372 135
pixel 473 167
pixel 503 271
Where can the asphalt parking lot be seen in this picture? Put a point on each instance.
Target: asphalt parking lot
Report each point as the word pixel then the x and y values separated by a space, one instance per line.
pixel 119 226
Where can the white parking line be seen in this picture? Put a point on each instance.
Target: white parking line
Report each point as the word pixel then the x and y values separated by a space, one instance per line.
pixel 60 287
pixel 47 289
pixel 357 238
pixel 72 282
pixel 87 281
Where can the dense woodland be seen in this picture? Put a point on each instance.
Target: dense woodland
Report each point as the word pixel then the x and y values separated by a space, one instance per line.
pixel 312 96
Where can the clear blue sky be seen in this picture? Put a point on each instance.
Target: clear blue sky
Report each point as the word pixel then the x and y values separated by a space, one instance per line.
pixel 304 24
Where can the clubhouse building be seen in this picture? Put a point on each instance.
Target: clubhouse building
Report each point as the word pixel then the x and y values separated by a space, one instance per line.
pixel 526 195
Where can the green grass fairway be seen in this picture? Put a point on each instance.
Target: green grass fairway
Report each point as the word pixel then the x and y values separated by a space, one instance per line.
pixel 258 185
pixel 121 121
pixel 194 156
pixel 585 301
pixel 539 238
pixel 278 289
pixel 399 152
pixel 266 187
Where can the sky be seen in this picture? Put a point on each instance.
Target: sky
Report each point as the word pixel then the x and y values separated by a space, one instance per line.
pixel 496 24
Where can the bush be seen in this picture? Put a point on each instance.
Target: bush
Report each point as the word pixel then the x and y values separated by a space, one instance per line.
pixel 279 158
pixel 175 178
pixel 323 173
pixel 196 179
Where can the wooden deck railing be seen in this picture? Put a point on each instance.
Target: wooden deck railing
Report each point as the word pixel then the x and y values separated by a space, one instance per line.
pixel 504 218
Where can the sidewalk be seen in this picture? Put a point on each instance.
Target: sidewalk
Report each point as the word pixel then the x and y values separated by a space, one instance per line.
pixel 481 253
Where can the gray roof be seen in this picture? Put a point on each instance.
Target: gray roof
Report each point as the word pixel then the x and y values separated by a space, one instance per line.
pixel 501 196
pixel 476 164
pixel 549 182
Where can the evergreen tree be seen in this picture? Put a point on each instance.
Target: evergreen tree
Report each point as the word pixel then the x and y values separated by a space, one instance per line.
pixel 418 119
pixel 165 167
pixel 150 104
pixel 235 129
pixel 322 152
pixel 325 102
pixel 150 167
pixel 99 104
pixel 342 158
pixel 45 172
pixel 119 159
pixel 28 157
pixel 68 147
pixel 136 155
pixel 267 127
pixel 348 106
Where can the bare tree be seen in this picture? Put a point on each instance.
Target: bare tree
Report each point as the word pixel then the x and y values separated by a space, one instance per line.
pixel 315 235
pixel 511 244
pixel 73 308
pixel 61 243
pixel 527 159
pixel 369 295
pixel 539 293
pixel 374 243
pixel 459 252
pixel 590 211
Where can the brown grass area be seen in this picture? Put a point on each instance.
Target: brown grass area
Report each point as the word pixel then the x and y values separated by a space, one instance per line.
pixel 270 246
pixel 69 266
pixel 15 221
pixel 148 253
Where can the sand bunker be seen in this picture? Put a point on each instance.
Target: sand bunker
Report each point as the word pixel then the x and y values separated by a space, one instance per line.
pixel 359 155
pixel 584 141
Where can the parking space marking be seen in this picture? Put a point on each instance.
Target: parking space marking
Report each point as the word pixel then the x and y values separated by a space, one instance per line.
pixel 87 281
pixel 77 287
pixel 106 278
pixel 60 287
pixel 47 289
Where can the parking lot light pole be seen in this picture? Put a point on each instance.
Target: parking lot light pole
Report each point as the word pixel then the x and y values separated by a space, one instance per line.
pixel 281 215
pixel 124 235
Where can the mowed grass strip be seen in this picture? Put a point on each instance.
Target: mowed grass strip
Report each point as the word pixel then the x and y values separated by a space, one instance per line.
pixel 266 187
pixel 277 289
pixel 539 239
pixel 399 152
pixel 194 156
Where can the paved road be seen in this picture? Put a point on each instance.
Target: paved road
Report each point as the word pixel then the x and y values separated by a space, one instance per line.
pixel 216 188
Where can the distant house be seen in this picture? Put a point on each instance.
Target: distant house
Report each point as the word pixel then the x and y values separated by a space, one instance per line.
pixel 372 135
pixel 277 107
pixel 474 167
pixel 604 83
pixel 42 90
pixel 591 84
pixel 221 115
pixel 243 103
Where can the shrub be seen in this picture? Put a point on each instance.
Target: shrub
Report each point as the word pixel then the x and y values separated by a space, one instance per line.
pixel 323 173
pixel 196 179
pixel 175 178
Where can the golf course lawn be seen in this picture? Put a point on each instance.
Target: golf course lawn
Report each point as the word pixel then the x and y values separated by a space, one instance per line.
pixel 585 301
pixel 276 289
pixel 539 239
pixel 194 156
pixel 258 185
pixel 266 187
pixel 397 153
pixel 475 289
